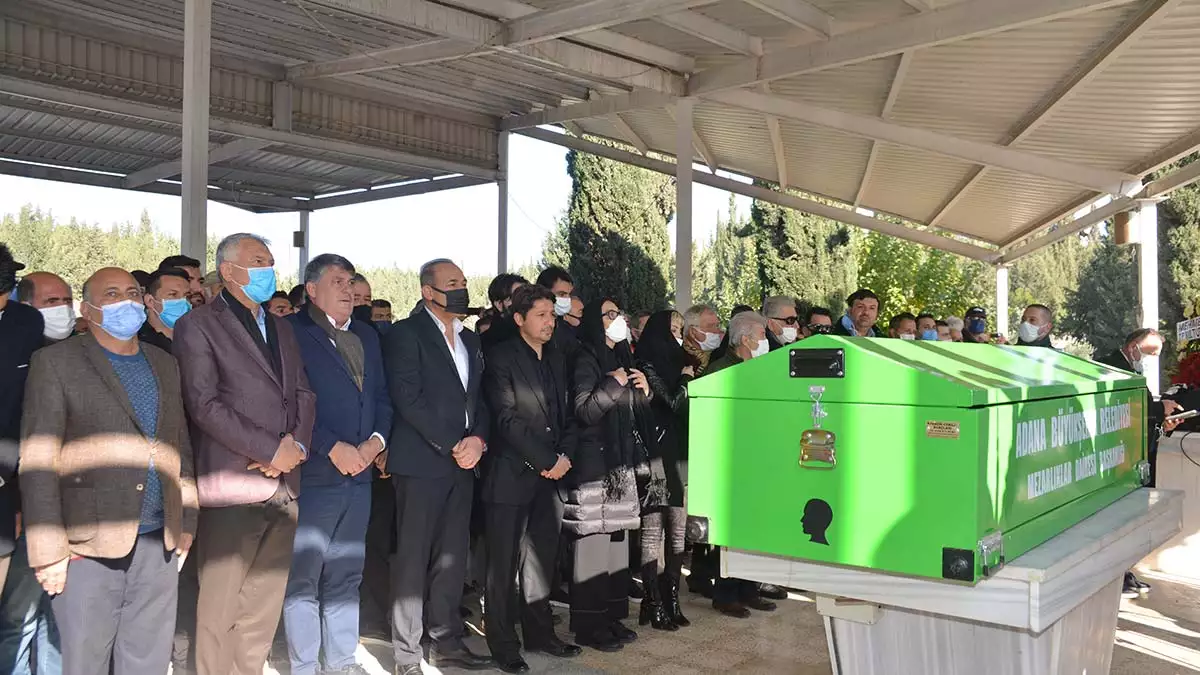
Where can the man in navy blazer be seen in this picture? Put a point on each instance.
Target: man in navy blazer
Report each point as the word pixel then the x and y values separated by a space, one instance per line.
pixel 435 367
pixel 344 364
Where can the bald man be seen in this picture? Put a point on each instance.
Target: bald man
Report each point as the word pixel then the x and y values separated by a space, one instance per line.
pixel 108 486
pixel 50 295
pixel 1037 322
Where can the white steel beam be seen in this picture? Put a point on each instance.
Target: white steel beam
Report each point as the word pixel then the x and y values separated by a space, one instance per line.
pixel 698 143
pixel 1067 229
pixel 404 190
pixel 94 178
pixel 893 94
pixel 488 34
pixel 1095 64
pixel 302 253
pixel 216 155
pixel 844 215
pixel 419 53
pixel 502 207
pixel 1103 180
pixel 608 105
pixel 710 30
pixel 683 116
pixel 610 41
pixel 1147 229
pixel 587 15
pixel 197 73
pixel 943 25
pixel 776 133
pixel 137 109
pixel 1172 181
pixel 1002 299
pixel 629 134
pixel 798 13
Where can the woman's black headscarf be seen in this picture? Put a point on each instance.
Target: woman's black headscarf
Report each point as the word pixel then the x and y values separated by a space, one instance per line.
pixel 591 332
pixel 659 348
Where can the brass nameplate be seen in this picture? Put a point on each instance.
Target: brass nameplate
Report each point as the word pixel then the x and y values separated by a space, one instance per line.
pixel 941 430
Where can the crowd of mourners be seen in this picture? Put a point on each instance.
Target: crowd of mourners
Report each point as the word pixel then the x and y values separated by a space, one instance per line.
pixel 344 476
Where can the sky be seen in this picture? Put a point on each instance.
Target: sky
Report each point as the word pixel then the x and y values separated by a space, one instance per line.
pixel 405 231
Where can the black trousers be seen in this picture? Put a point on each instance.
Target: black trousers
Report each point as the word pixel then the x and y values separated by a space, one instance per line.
pixel 119 614
pixel 521 538
pixel 600 586
pixel 375 594
pixel 433 520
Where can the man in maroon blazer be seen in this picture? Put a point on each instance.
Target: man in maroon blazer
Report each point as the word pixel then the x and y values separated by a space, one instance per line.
pixel 252 415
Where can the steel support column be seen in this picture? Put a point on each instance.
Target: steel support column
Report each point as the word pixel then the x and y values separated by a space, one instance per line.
pixel 301 243
pixel 1147 229
pixel 502 205
pixel 684 153
pixel 1002 300
pixel 197 33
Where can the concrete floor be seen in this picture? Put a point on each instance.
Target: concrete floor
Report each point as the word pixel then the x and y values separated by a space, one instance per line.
pixel 1158 634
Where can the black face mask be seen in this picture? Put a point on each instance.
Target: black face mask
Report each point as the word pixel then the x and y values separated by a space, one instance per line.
pixel 361 313
pixel 458 300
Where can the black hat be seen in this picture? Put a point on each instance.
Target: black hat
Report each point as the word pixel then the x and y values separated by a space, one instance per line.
pixel 7 263
pixel 976 311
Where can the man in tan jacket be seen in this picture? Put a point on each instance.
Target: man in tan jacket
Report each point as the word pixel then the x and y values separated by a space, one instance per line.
pixel 109 493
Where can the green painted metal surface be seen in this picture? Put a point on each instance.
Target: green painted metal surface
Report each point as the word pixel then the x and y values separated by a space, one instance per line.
pixel 937 446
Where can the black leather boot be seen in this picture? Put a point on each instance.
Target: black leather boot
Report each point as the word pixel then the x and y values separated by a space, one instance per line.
pixel 652 611
pixel 669 588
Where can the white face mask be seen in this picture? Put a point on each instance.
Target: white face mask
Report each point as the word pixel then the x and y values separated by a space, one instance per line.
pixel 711 341
pixel 790 333
pixel 618 330
pixel 762 348
pixel 1028 332
pixel 1147 364
pixel 562 306
pixel 907 336
pixel 59 322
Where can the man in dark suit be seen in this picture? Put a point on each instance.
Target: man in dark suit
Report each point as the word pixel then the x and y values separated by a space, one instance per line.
pixel 533 441
pixel 1138 354
pixel 166 302
pixel 252 417
pixel 560 283
pixel 109 491
pixel 344 364
pixel 435 368
pixel 21 334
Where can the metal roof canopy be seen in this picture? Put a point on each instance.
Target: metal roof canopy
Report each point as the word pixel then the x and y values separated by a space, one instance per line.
pixel 981 123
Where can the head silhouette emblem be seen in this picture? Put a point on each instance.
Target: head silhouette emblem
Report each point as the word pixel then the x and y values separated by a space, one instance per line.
pixel 817 517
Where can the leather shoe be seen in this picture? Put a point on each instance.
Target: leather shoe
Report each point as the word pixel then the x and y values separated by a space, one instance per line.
pixel 760 604
pixel 601 641
pixel 459 657
pixel 556 648
pixel 409 669
pixel 772 592
pixel 512 663
pixel 623 634
pixel 735 609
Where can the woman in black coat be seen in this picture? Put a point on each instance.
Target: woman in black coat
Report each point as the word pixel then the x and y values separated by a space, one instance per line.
pixel 603 501
pixel 660 355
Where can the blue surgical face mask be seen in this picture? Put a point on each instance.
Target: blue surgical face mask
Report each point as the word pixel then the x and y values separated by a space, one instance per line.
pixel 977 325
pixel 173 310
pixel 262 283
pixel 123 319
pixel 929 334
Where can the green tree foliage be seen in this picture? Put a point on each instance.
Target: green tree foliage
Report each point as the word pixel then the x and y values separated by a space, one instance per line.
pixel 726 271
pixel 909 277
pixel 614 238
pixel 1102 310
pixel 1048 277
pixel 804 256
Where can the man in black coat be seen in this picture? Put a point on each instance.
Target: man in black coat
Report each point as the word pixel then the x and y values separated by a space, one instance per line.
pixel 1138 354
pixel 439 431
pixel 533 441
pixel 21 335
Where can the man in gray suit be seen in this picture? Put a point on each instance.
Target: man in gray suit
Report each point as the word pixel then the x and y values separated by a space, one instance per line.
pixel 107 485
pixel 252 416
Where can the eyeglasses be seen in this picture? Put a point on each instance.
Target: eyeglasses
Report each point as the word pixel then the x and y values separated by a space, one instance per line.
pixel 789 320
pixel 819 329
pixel 613 314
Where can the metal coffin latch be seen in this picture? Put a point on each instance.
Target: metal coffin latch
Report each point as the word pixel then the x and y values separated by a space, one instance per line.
pixel 991 553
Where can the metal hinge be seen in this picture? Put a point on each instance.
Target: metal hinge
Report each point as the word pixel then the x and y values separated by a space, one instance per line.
pixel 991 553
pixel 1143 472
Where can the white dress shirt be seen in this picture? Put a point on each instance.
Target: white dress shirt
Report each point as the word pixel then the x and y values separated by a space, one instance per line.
pixel 458 350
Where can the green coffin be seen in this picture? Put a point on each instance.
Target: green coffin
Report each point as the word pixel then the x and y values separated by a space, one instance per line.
pixel 946 458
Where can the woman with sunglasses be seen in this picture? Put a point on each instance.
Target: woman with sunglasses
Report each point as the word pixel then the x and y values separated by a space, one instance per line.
pixel 611 397
pixel 662 358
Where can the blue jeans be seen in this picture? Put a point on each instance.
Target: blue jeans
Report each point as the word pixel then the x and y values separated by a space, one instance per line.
pixel 320 607
pixel 28 635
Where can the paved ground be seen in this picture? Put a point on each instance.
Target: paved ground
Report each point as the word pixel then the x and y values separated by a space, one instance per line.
pixel 1157 635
